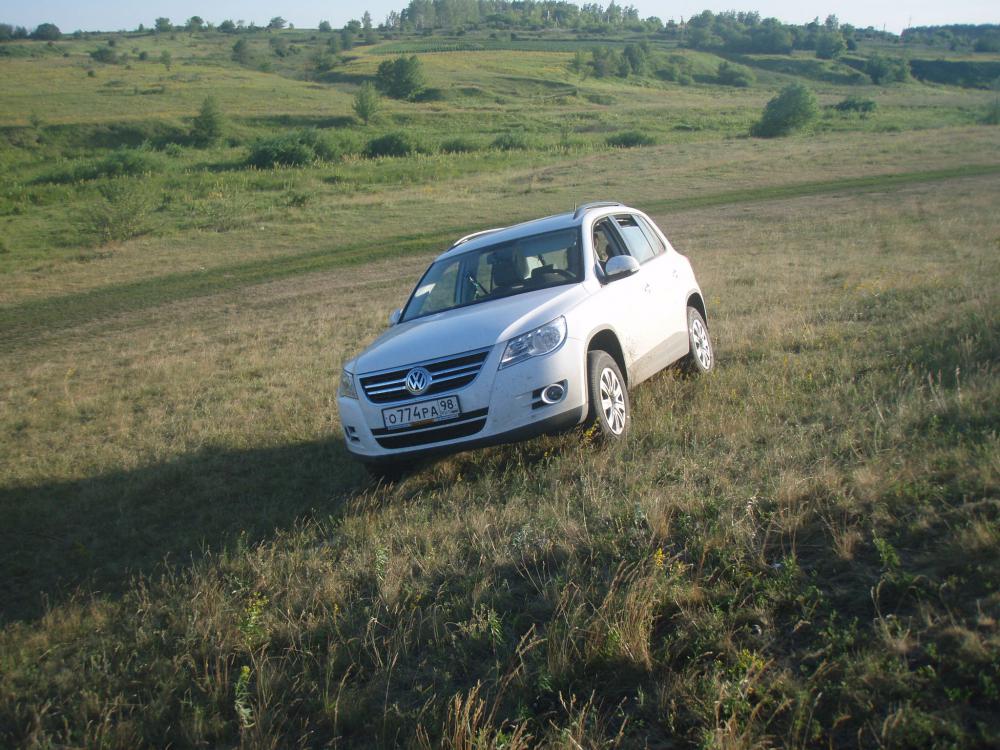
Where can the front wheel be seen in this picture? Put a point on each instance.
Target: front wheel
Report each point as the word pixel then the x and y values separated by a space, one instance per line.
pixel 609 403
pixel 701 357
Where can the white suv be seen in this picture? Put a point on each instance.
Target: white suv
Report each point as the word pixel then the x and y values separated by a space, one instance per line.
pixel 529 329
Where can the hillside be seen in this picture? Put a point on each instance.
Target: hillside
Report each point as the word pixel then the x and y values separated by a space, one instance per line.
pixel 800 550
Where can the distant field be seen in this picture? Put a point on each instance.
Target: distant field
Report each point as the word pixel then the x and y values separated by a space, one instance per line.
pixel 800 550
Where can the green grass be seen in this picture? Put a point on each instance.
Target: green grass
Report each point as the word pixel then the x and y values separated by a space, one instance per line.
pixel 25 322
pixel 799 550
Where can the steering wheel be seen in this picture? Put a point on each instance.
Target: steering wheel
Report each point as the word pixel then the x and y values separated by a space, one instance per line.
pixel 480 287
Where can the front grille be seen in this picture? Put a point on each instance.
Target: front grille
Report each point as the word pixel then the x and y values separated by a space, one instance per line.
pixel 464 426
pixel 447 374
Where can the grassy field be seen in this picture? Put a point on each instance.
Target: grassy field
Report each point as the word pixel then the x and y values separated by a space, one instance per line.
pixel 800 550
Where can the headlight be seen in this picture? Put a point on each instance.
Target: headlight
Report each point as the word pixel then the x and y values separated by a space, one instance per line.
pixel 346 387
pixel 542 340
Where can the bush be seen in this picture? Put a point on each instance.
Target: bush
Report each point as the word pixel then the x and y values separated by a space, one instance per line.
pixel 630 139
pixel 104 55
pixel 290 150
pixel 830 45
pixel 731 74
pixel 510 142
pixel 124 162
pixel 401 78
pixel 207 126
pixel 992 116
pixel 793 108
pixel 856 104
pixel 366 102
pixel 458 146
pixel 391 144
pixel 887 69
pixel 121 212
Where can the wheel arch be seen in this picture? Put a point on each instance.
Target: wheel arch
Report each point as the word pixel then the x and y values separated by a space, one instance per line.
pixel 607 340
pixel 696 301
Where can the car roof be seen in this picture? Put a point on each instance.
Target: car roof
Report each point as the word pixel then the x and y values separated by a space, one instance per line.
pixel 554 223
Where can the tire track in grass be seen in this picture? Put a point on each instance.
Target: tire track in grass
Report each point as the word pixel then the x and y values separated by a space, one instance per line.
pixel 20 324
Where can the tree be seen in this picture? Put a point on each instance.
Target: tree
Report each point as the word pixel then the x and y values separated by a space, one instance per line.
pixel 793 108
pixel 401 78
pixel 367 102
pixel 367 30
pixel 195 23
pixel 47 32
pixel 830 45
pixel 208 125
pixel 6 32
pixel 637 57
pixel 277 23
pixel 166 59
pixel 227 27
pixel 163 25
pixel 325 27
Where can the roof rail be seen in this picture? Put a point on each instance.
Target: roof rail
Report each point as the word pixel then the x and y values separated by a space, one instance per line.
pixel 596 204
pixel 473 236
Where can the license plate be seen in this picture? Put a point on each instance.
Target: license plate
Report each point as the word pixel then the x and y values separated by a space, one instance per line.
pixel 421 413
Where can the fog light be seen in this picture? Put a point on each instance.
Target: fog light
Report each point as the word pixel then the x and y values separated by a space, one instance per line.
pixel 553 393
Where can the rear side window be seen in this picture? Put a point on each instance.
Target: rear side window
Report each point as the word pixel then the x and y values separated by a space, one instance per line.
pixel 638 243
pixel 652 236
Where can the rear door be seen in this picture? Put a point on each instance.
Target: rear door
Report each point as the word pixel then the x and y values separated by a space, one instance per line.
pixel 667 316
pixel 629 302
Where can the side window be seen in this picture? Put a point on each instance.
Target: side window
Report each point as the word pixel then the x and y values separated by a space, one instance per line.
pixel 652 236
pixel 605 242
pixel 638 244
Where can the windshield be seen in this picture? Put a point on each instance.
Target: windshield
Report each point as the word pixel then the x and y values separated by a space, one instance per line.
pixel 501 270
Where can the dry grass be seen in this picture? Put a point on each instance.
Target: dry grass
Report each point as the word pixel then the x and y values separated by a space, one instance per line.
pixel 799 550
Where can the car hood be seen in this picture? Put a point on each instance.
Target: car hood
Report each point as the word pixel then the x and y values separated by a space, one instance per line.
pixel 467 328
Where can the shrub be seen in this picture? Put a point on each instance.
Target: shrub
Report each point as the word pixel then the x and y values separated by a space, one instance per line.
pixel 793 108
pixel 887 69
pixel 104 55
pixel 401 78
pixel 207 126
pixel 856 104
pixel 366 102
pixel 992 116
pixel 731 74
pixel 290 150
pixel 121 212
pixel 510 142
pixel 630 139
pixel 241 52
pixel 458 146
pixel 124 162
pixel 391 144
pixel 830 45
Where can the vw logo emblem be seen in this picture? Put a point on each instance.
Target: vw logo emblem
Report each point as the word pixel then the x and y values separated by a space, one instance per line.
pixel 418 380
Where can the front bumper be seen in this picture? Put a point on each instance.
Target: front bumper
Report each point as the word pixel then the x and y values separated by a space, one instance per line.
pixel 499 406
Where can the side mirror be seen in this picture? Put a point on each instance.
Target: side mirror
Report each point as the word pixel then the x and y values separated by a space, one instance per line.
pixel 620 266
pixel 394 316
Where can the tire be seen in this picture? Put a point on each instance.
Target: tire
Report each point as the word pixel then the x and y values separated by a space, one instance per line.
pixel 700 358
pixel 610 409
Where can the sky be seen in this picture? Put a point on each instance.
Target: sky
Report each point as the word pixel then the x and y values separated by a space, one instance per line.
pixel 70 15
